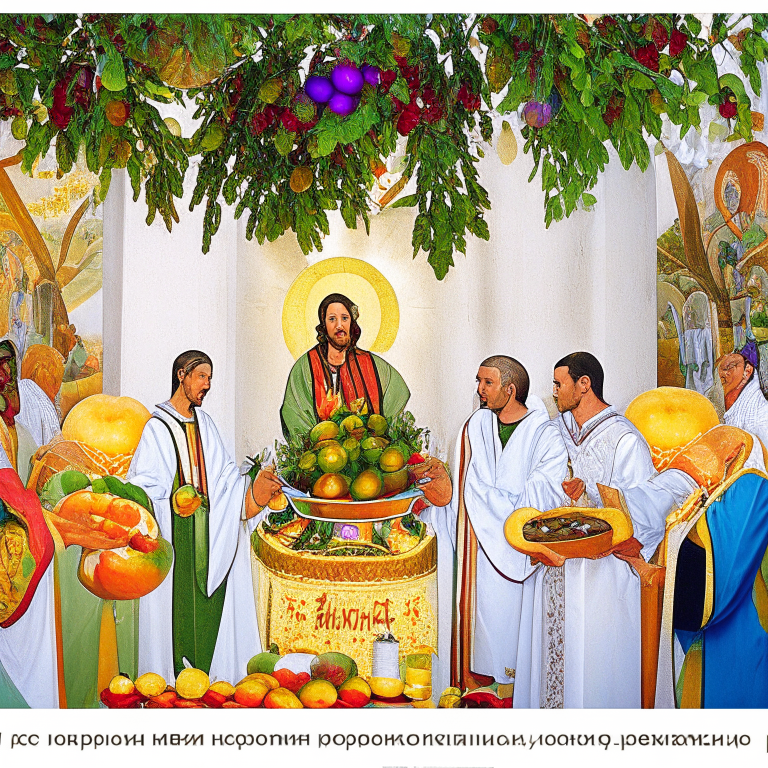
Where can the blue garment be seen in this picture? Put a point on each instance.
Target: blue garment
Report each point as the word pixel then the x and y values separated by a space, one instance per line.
pixel 735 645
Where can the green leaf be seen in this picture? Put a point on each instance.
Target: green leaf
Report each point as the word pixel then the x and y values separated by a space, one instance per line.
pixel 588 199
pixel 405 202
pixel 400 90
pixel 641 81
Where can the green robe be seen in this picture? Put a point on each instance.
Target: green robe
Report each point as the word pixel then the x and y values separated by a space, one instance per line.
pixel 297 413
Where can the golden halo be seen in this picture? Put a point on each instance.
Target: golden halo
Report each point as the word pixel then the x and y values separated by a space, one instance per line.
pixel 362 283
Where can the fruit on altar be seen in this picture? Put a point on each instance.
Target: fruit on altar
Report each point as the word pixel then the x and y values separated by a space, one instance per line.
pixel 307 461
pixel 670 418
pixel 324 444
pixel 165 700
pixel 347 78
pixel 418 692
pixel 334 667
pixel 282 698
pixel 352 423
pixel 126 573
pixel 270 681
pixel 367 485
pixel 386 687
pixel 296 663
pixel 192 683
pixel 251 692
pixel 111 700
pixel 395 482
pixel 186 500
pixel 109 424
pixel 263 662
pixel 332 458
pixel 330 486
pixel 352 447
pixel 325 430
pixel 372 448
pixel 278 501
pixel 356 692
pixel 150 684
pixel 62 484
pixel 318 694
pixel 392 459
pixel 232 705
pixel 223 687
pixel 213 699
pixel 377 424
pixel 293 681
pixel 121 685
pixel 425 704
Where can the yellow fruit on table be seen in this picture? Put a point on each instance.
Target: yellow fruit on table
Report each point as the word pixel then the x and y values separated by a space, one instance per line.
pixel 192 683
pixel 418 692
pixel 388 687
pixel 264 678
pixel 356 692
pixel 282 698
pixel 377 424
pixel 426 704
pixel 278 502
pixel 318 694
pixel 415 676
pixel 223 687
pixel 351 423
pixel 150 684
pixel 121 684
pixel 109 424
pixel 449 701
pixel 250 692
pixel 330 486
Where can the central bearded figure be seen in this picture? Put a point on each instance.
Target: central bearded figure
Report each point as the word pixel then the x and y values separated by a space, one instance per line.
pixel 336 371
pixel 206 509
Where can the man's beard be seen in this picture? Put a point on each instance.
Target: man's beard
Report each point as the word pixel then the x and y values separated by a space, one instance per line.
pixel 340 347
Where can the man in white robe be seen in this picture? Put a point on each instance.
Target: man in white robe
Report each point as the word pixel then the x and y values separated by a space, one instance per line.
pixel 745 404
pixel 585 646
pixel 172 453
pixel 509 455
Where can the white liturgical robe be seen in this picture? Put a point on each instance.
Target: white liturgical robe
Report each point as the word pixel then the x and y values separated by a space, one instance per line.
pixel 527 472
pixel 154 469
pixel 585 642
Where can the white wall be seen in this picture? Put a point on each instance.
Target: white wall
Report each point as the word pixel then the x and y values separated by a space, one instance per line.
pixel 586 283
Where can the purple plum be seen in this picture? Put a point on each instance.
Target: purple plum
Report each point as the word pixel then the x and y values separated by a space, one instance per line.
pixel 371 75
pixel 319 89
pixel 342 104
pixel 347 78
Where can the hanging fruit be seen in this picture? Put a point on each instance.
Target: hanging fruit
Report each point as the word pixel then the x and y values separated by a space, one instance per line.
pixel 347 78
pixel 117 112
pixel 301 179
pixel 371 75
pixel 212 138
pixel 270 90
pixel 319 89
pixel 173 125
pixel 537 114
pixel 342 104
pixel 506 146
pixel 19 128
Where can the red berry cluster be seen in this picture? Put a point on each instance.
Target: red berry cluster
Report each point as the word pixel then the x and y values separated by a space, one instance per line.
pixel 272 114
pixel 64 97
pixel 424 103
pixel 648 55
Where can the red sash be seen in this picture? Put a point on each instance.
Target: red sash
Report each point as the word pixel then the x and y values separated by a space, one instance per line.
pixel 357 375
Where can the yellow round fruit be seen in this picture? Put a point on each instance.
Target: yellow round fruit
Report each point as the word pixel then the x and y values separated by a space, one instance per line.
pixel 391 459
pixel 318 694
pixel 150 684
pixel 223 687
pixel 332 458
pixel 192 683
pixel 387 687
pixel 120 684
pixel 325 430
pixel 278 502
pixel 330 486
pixel 670 418
pixel 109 424
pixel 301 179
pixel 367 485
pixel 173 125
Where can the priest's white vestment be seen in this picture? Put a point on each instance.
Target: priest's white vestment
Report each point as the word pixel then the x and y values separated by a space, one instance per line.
pixel 154 468
pixel 585 641
pixel 528 471
pixel 750 412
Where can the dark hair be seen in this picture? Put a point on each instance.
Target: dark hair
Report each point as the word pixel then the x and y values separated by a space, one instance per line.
pixel 511 372
pixel 188 361
pixel 584 364
pixel 322 310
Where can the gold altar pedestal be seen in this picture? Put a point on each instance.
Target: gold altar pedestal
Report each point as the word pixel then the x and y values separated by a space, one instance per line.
pixel 313 603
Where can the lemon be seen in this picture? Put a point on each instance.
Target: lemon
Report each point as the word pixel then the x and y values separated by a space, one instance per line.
pixel 150 684
pixel 120 684
pixel 388 687
pixel 192 683
pixel 223 687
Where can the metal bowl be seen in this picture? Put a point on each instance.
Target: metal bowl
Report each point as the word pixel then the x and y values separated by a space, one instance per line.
pixel 359 511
